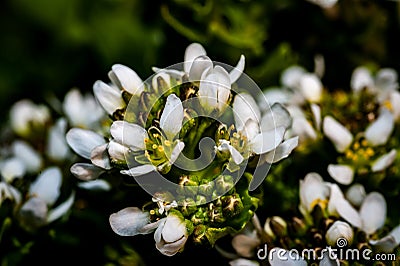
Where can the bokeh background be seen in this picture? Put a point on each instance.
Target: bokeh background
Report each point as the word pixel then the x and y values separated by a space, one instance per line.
pixel 51 46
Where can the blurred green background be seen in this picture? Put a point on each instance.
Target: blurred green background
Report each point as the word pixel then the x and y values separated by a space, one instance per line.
pixel 51 46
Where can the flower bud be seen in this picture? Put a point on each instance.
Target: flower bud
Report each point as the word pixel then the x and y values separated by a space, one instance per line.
pixel 339 230
pixel 275 227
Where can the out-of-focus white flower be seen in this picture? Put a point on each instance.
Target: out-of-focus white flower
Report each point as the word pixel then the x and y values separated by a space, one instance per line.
pixel 281 257
pixel 343 174
pixel 25 116
pixel 171 234
pixel 306 86
pixel 338 230
pixel 324 3
pixel 379 131
pixel 12 168
pixel 388 243
pixel 382 84
pixel 43 193
pixel 82 111
pixel 7 191
pixel 313 191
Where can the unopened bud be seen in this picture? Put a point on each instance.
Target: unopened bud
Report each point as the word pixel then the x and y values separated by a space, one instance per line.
pixel 339 231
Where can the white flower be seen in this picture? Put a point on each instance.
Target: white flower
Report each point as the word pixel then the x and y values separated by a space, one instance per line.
pixel 92 146
pixel 7 191
pixel 214 90
pixel 171 235
pixel 24 115
pixel 338 230
pixel 197 62
pixel 313 190
pixel 82 111
pixel 43 193
pixel 12 168
pixel 131 221
pixel 170 123
pixel 382 84
pixel 126 79
pixel 388 243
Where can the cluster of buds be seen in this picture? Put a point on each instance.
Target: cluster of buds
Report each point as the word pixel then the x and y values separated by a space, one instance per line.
pixel 194 138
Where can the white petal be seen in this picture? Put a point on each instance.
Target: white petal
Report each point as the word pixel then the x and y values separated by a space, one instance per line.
pixel 139 170
pixel 312 188
pixel 86 171
pixel 126 79
pixel 356 194
pixel 339 205
pixel 31 158
pixel 129 221
pixel 337 133
pixel 384 161
pixel 343 174
pixel 200 64
pixel 176 151
pixel 165 77
pixel 97 184
pixel 267 141
pixel 243 262
pixel 282 151
pixel 12 168
pixel 373 212
pixel 311 87
pixel 176 74
pixel 118 152
pixel 316 111
pixel 360 79
pixel 193 51
pixel 238 70
pixel 386 79
pixel 302 127
pixel 99 157
pixel 128 134
pixel 172 117
pixel 61 209
pixel 291 76
pixel 245 108
pixel 279 116
pixel 33 213
pixel 9 192
pixel 174 228
pixel 73 102
pixel 273 95
pixel 47 185
pixel 245 245
pixel 394 99
pixel 83 141
pixel 236 156
pixel 282 257
pixel 109 98
pixel 57 146
pixel 380 130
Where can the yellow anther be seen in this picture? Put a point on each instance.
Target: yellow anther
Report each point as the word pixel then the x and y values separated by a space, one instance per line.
pixel 146 140
pixel 388 105
pixel 364 142
pixel 154 146
pixel 369 152
pixel 156 135
pixel 167 143
pixel 152 212
pixel 160 148
pixel 322 203
pixel 235 135
pixel 356 145
pixel 349 154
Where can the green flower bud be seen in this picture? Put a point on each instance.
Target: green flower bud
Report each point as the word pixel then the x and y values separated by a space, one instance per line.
pixel 215 214
pixel 206 188
pixel 232 205
pixel 188 206
pixel 224 184
pixel 199 234
pixel 200 217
